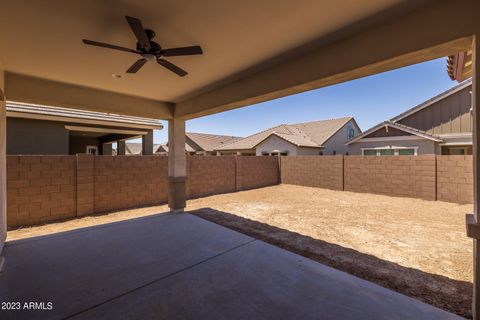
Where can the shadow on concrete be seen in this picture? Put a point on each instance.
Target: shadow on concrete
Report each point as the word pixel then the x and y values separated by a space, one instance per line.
pixel 440 291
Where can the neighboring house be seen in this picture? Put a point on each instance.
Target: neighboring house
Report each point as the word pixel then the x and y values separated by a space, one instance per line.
pixel 136 148
pixel 35 129
pixel 201 143
pixel 440 125
pixel 325 137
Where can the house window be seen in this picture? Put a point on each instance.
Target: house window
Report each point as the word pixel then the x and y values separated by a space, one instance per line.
pixel 369 152
pixel 275 153
pixel 456 150
pixel 390 151
pixel 92 150
pixel 387 152
pixel 350 132
pixel 406 152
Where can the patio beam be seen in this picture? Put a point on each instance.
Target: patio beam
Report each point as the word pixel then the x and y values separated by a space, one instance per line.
pixel 436 29
pixel 27 89
pixel 177 165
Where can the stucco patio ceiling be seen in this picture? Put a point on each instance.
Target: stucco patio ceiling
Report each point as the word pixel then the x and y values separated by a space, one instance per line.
pixel 253 50
pixel 235 35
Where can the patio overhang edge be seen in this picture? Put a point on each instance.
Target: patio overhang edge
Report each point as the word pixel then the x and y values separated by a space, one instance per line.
pixel 27 89
pixel 429 37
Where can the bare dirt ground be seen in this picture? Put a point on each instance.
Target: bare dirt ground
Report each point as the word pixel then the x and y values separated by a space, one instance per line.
pixel 416 247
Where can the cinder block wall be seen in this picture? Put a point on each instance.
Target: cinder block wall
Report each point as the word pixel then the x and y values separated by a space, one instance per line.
pixel 122 182
pixel 322 172
pixel 210 175
pixel 404 176
pixel 430 177
pixel 455 179
pixel 255 172
pixel 40 189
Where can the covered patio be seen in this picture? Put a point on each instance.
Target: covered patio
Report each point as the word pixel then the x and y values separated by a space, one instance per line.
pixel 177 265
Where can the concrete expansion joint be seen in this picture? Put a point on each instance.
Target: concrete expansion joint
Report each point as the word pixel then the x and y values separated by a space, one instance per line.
pixel 160 279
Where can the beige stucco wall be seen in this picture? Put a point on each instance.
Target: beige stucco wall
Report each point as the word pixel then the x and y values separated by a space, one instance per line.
pixel 308 151
pixel 274 143
pixel 337 141
pixel 424 146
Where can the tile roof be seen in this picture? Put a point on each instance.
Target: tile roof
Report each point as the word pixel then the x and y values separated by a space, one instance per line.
pixel 307 134
pixel 164 146
pixel 208 142
pixel 72 114
pixel 133 148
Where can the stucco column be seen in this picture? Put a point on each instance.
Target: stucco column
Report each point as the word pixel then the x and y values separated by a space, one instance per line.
pixel 473 226
pixel 147 143
pixel 107 149
pixel 3 165
pixel 177 165
pixel 120 147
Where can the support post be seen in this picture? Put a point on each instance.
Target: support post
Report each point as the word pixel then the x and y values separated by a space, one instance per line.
pixel 177 165
pixel 3 165
pixel 147 143
pixel 121 147
pixel 107 149
pixel 473 226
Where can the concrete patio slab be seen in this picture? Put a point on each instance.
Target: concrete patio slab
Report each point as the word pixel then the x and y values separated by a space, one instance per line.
pixel 178 266
pixel 79 269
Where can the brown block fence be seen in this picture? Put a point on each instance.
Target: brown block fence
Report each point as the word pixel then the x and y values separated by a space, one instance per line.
pixel 403 176
pixel 429 177
pixel 42 189
pixel 322 172
pixel 455 179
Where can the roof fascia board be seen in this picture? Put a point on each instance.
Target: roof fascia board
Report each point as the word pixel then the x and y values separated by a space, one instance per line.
pixel 105 130
pixel 392 125
pixel 14 114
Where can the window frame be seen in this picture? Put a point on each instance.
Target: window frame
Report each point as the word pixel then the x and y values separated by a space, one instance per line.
pixel 395 150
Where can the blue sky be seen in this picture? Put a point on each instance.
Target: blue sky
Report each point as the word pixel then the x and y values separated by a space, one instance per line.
pixel 370 100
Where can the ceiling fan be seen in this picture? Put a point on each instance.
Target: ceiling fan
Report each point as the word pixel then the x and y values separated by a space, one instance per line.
pixel 148 49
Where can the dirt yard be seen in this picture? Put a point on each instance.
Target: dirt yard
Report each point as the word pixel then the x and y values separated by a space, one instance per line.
pixel 415 247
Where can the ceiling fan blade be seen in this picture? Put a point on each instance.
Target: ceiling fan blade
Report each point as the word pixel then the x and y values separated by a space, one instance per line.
pixel 137 28
pixel 137 65
pixel 170 66
pixel 106 45
pixel 183 51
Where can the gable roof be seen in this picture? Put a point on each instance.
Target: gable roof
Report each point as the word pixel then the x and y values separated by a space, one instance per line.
pixel 164 146
pixel 132 148
pixel 398 126
pixel 308 134
pixel 431 101
pixel 208 142
pixel 34 111
pixel 393 122
pixel 459 65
